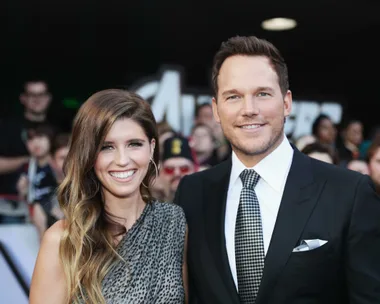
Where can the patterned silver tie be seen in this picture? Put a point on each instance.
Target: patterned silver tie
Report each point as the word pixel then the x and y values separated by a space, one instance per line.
pixel 249 243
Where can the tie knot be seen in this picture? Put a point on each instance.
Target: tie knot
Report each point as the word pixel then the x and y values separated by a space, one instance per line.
pixel 250 178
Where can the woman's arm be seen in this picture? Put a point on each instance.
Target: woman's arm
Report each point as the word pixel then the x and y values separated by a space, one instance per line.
pixel 48 281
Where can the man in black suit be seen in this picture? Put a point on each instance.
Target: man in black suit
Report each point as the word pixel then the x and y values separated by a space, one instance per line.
pixel 271 225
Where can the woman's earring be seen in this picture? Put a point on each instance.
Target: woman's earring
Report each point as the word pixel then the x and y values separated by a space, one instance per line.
pixel 155 166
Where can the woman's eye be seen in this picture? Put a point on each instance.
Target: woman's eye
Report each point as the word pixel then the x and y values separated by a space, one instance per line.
pixel 135 144
pixel 106 147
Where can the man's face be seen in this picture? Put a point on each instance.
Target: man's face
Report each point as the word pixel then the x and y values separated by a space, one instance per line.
pixel 173 169
pixel 250 106
pixel 36 98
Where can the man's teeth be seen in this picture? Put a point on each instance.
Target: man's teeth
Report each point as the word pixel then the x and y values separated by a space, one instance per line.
pixel 251 127
pixel 124 174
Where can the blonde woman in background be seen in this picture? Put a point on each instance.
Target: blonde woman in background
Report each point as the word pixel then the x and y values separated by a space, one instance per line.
pixel 117 244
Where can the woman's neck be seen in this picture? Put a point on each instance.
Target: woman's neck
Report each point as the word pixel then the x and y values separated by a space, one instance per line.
pixel 126 211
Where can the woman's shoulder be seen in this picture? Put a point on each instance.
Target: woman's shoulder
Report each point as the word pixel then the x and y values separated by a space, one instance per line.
pixel 169 213
pixel 170 219
pixel 168 209
pixel 53 235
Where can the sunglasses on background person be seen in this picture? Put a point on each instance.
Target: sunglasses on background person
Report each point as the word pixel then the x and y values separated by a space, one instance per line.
pixel 170 169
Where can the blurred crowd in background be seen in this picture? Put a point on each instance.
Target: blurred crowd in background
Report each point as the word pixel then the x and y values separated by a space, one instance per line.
pixel 33 149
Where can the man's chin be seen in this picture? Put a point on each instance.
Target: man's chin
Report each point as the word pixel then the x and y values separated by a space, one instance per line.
pixel 252 150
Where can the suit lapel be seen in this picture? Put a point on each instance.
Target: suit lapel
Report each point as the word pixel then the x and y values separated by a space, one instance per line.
pixel 215 195
pixel 299 199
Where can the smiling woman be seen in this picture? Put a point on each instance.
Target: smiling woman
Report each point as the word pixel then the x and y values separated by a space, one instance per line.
pixel 124 160
pixel 110 215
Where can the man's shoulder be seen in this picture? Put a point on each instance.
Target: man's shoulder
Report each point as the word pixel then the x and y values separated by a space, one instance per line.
pixel 335 173
pixel 209 174
pixel 192 187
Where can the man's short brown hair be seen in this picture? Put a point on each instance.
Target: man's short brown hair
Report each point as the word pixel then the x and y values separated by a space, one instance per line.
pixel 250 46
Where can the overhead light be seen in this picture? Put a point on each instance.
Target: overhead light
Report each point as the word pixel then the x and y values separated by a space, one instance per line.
pixel 278 24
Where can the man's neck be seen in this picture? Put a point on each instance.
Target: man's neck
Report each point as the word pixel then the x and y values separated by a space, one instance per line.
pixel 35 117
pixel 252 160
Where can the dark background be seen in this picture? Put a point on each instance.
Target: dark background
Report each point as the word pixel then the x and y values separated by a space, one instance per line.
pixel 81 47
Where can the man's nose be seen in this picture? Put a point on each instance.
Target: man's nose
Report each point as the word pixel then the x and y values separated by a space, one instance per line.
pixel 250 106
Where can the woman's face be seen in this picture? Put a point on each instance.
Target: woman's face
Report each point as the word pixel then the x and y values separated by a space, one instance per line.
pixel 123 160
pixel 326 131
pixel 354 133
pixel 202 140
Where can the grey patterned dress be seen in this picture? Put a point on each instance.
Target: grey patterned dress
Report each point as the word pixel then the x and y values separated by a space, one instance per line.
pixel 153 249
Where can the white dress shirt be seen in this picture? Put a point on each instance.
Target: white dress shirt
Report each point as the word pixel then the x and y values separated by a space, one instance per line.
pixel 273 171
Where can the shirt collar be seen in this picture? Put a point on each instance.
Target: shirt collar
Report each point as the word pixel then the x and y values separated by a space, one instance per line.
pixel 273 169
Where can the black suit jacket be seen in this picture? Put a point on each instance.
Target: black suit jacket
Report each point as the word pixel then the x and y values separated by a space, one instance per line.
pixel 320 201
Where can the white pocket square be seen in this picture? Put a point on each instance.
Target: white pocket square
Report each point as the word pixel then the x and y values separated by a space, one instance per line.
pixel 307 245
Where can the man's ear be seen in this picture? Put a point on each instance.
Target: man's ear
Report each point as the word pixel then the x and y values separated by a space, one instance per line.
pixel 215 109
pixel 288 102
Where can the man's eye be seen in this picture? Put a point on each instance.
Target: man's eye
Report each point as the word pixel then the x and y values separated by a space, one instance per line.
pixel 233 97
pixel 263 94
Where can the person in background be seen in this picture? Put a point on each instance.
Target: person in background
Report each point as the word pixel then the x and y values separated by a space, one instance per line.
pixel 203 115
pixel 359 166
pixel 36 100
pixel 116 243
pixel 374 135
pixel 178 160
pixel 203 143
pixel 373 160
pixel 37 183
pixel 165 131
pixel 45 214
pixel 59 151
pixel 321 152
pixel 351 139
pixel 304 140
pixel 324 130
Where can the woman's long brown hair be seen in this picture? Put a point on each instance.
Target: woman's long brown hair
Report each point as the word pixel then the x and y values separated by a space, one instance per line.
pixel 87 247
